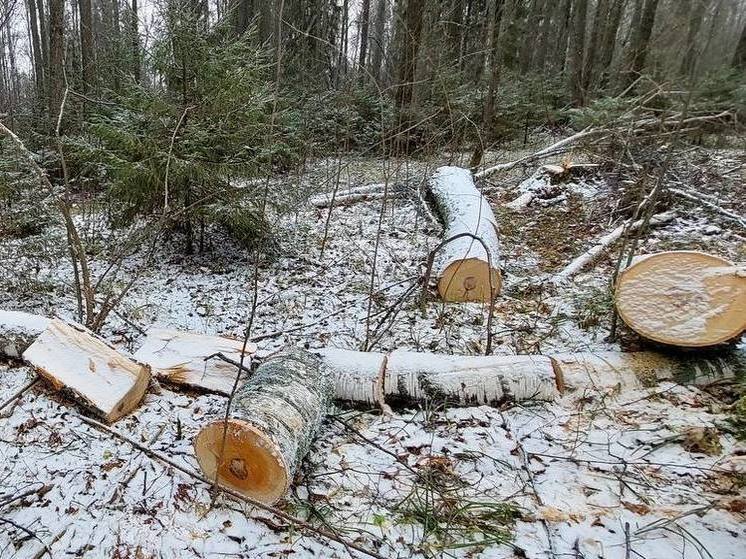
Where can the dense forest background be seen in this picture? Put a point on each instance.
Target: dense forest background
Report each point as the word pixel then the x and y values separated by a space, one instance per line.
pixel 163 105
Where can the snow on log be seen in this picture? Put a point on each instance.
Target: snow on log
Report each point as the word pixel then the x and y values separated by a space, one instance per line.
pixel 602 244
pixel 274 418
pixel 468 380
pixel 85 367
pixel 185 358
pixel 18 330
pixel 466 269
pixel 545 184
pixel 683 298
pixel 357 375
pixel 353 195
pixel 610 369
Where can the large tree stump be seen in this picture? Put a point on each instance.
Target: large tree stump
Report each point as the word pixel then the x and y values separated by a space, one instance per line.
pixel 467 270
pixel 196 360
pixel 88 369
pixel 18 330
pixel 274 418
pixel 683 298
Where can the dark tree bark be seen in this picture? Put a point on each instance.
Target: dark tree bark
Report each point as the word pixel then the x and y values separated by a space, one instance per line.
pixel 696 15
pixel 597 29
pixel 378 43
pixel 38 57
pixel 43 34
pixel 56 56
pixel 577 48
pixel 641 40
pixel 410 47
pixel 560 43
pixel 135 31
pixel 87 55
pixel 364 24
pixel 739 58
pixel 608 42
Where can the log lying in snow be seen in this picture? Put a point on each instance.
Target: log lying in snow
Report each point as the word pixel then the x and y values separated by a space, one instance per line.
pixel 180 358
pixel 18 330
pixel 90 370
pixel 602 244
pixel 683 298
pixel 364 193
pixel 274 418
pixel 405 377
pixel 466 269
pixel 545 183
pixel 609 369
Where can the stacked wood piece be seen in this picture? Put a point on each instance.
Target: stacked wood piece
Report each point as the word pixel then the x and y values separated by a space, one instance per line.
pixel 467 264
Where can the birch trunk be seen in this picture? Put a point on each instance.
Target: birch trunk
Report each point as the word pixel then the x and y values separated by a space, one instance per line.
pixel 466 269
pixel 18 330
pixel 88 369
pixel 683 299
pixel 274 418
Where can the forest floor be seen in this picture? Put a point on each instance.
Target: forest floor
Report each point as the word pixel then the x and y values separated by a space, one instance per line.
pixel 607 473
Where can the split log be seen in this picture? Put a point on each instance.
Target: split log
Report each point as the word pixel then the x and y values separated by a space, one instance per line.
pixel 610 369
pixel 18 330
pixel 404 378
pixel 683 298
pixel 602 244
pixel 467 270
pixel 205 362
pixel 274 418
pixel 84 366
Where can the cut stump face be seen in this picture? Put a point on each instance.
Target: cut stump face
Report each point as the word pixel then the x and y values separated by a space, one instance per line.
pixel 250 463
pixel 683 298
pixel 468 280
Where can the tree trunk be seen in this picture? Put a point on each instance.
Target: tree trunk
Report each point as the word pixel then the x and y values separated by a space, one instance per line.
pixel 597 30
pixel 134 30
pixel 609 40
pixel 87 54
pixel 38 57
pixel 56 56
pixel 274 418
pixel 466 269
pixel 379 40
pixel 641 40
pixel 410 47
pixel 739 58
pixel 577 49
pixel 683 298
pixel 696 15
pixel 43 35
pixel 364 24
pixel 73 359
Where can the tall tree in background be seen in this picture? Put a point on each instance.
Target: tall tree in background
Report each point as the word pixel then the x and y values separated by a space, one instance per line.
pixel 378 40
pixel 577 49
pixel 640 41
pixel 364 23
pixel 86 44
pixel 37 55
pixel 56 56
pixel 410 32
pixel 696 15
pixel 600 18
pixel 135 38
pixel 609 40
pixel 739 58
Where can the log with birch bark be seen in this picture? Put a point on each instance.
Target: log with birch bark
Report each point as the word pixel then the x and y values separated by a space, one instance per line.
pixel 273 420
pixel 89 370
pixel 683 298
pixel 467 262
pixel 18 330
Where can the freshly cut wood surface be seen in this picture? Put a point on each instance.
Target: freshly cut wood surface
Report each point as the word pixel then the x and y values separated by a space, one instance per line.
pixel 274 418
pixel 683 298
pixel 90 371
pixel 179 357
pixel 18 330
pixel 466 269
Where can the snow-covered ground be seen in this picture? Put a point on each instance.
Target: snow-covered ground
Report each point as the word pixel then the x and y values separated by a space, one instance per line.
pixel 602 473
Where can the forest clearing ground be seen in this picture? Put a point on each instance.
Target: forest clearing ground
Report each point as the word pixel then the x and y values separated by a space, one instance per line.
pixel 599 474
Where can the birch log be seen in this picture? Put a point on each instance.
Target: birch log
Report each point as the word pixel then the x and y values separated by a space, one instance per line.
pixel 274 418
pixel 683 298
pixel 466 269
pixel 88 369
pixel 191 359
pixel 18 330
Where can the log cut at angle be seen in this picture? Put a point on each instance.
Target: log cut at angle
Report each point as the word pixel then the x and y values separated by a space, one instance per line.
pixel 274 418
pixel 190 359
pixel 88 369
pixel 18 330
pixel 683 298
pixel 466 269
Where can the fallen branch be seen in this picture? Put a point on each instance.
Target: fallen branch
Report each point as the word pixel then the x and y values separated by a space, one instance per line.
pixel 701 200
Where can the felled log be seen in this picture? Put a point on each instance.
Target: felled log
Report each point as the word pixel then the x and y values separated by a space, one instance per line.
pixel 274 418
pixel 196 360
pixel 406 378
pixel 18 330
pixel 683 298
pixel 467 268
pixel 602 245
pixel 349 196
pixel 88 369
pixel 545 183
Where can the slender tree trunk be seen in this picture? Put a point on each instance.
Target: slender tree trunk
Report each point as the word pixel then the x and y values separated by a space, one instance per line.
pixel 696 15
pixel 56 56
pixel 739 58
pixel 577 48
pixel 379 40
pixel 43 35
pixel 641 40
pixel 364 24
pixel 597 30
pixel 408 56
pixel 134 30
pixel 36 47
pixel 608 43
pixel 540 57
pixel 87 55
pixel 564 18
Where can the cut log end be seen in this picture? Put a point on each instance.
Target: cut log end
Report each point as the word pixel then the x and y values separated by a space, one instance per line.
pixel 469 280
pixel 684 299
pixel 251 465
